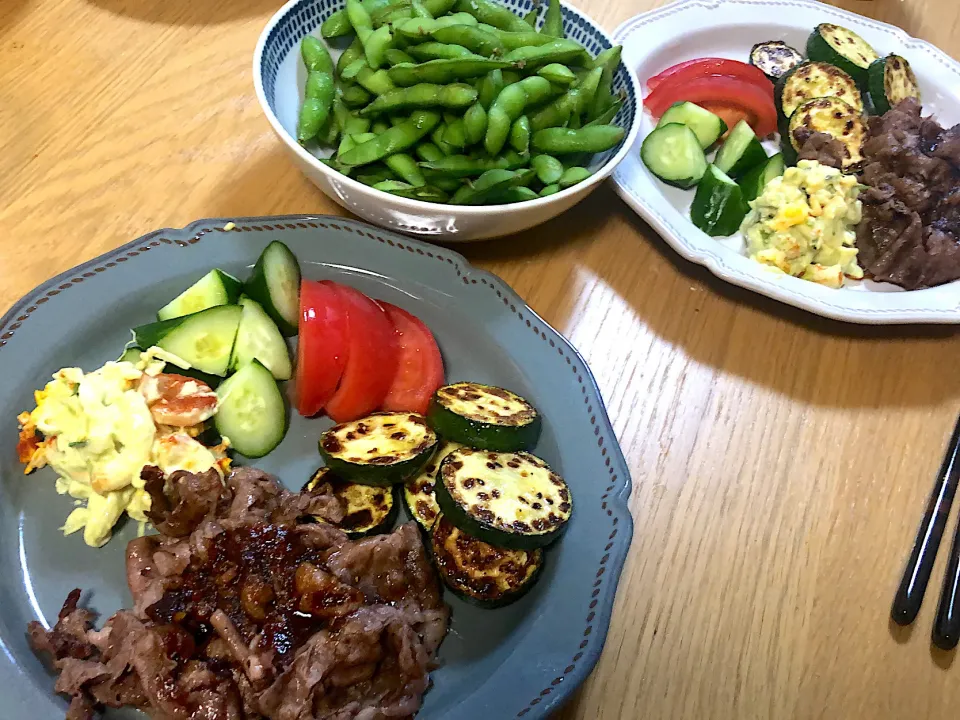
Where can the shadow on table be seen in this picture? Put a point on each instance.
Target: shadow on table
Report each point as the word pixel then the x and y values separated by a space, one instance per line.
pixel 187 12
pixel 9 12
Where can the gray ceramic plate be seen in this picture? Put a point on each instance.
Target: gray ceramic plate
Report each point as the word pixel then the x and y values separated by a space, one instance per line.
pixel 520 661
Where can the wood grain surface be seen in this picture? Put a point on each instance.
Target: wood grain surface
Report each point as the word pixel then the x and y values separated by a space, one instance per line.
pixel 780 462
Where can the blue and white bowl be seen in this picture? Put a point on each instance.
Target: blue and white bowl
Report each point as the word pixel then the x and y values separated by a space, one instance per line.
pixel 279 76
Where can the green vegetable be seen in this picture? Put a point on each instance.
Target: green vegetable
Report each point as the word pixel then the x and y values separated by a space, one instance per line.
pixel 338 23
pixel 509 105
pixel 419 29
pixel 376 82
pixel 424 95
pixel 531 17
pixel 355 96
pixel 754 181
pixel 214 288
pixel 572 176
pixel 674 154
pixel 395 57
pixel 397 138
pixel 473 38
pixel 553 20
pixel 443 72
pixel 493 13
pixel 515 195
pixel 313 114
pixel 460 166
pixel 525 38
pixel 549 190
pixel 405 167
pixel 557 51
pixel 259 338
pixel 490 87
pixel 455 134
pixel 428 152
pixel 557 112
pixel 418 9
pixel 705 125
pixel 275 284
pixel 204 339
pixel 438 51
pixel 520 134
pixel 562 141
pixel 891 80
pixel 475 123
pixel 843 48
pixel 490 184
pixel 402 189
pixel 608 61
pixel 315 55
pixel 251 411
pixel 549 170
pixel 558 74
pixel 349 56
pixel 718 207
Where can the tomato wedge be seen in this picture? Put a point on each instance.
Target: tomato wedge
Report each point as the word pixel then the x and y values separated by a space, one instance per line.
pixel 708 67
pixel 420 367
pixel 372 357
pixel 725 91
pixel 322 345
pixel 731 115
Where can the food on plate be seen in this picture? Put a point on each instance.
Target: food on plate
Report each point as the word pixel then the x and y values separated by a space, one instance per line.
pixel 508 499
pixel 843 48
pixel 754 181
pixel 240 611
pixel 251 412
pixel 740 152
pixel 803 224
pixel 379 449
pixel 812 80
pixel 834 117
pixel 97 431
pixel 275 284
pixel 774 58
pixel 419 364
pixel 367 509
pixel 910 234
pixel 673 153
pixel 718 207
pixel 891 81
pixel 214 288
pixel 471 83
pixel 705 125
pixel 418 494
pixel 480 573
pixel 203 339
pixel 258 338
pixel 321 345
pixel 484 416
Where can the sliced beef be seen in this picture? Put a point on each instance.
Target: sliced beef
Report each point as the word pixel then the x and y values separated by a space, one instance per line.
pixel 242 613
pixel 910 233
pixel 821 147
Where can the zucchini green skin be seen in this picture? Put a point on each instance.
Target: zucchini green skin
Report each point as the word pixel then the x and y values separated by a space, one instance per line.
pixel 382 475
pixel 481 530
pixel 477 434
pixel 414 495
pixel 877 82
pixel 354 524
pixel 479 593
pixel 819 50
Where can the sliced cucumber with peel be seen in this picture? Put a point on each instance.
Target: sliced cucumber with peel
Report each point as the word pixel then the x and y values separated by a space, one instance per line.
pixel 275 284
pixel 673 153
pixel 252 413
pixel 740 152
pixel 204 339
pixel 259 338
pixel 214 288
pixel 705 125
pixel 753 183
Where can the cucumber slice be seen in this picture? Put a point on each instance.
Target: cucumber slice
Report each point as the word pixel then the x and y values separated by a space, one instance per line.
pixel 839 46
pixel 275 284
pixel 753 183
pixel 480 573
pixel 740 152
pixel 418 494
pixel 259 338
pixel 705 125
pixel 512 500
pixel 673 153
pixel 380 449
pixel 718 207
pixel 214 288
pixel 251 413
pixel 204 339
pixel 131 355
pixel 368 510
pixel 891 80
pixel 484 416
pixel 774 58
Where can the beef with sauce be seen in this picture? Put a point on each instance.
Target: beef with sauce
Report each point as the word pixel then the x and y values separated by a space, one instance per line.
pixel 910 232
pixel 240 612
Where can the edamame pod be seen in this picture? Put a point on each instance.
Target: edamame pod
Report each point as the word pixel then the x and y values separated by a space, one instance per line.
pixel 461 166
pixel 563 141
pixel 527 38
pixel 557 112
pixel 455 134
pixel 315 55
pixel 427 194
pixel 404 166
pixel 338 23
pixel 316 106
pixel 353 53
pixel 424 95
pixel 548 169
pixel 428 152
pixel 375 81
pixel 419 29
pixel 531 17
pixel 443 72
pixel 520 134
pixel 509 105
pixel 493 13
pixel 558 74
pixel 475 123
pixel 572 176
pixel 556 51
pixel 607 61
pixel 515 195
pixel 491 183
pixel 549 190
pixel 474 39
pixel 439 51
pixel 394 140
pixel 553 20
pixel 490 87
pixel 395 57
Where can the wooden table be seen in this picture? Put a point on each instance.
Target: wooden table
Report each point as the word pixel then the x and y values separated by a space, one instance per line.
pixel 780 462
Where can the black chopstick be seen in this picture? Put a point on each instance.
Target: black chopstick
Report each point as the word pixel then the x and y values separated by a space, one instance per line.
pixel 916 575
pixel 946 627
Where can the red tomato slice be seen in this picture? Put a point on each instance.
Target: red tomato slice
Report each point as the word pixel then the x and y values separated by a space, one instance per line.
pixel 729 114
pixel 723 91
pixel 322 345
pixel 420 367
pixel 372 358
pixel 691 70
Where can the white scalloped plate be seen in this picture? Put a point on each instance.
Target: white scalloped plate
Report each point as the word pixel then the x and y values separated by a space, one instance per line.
pixel 729 28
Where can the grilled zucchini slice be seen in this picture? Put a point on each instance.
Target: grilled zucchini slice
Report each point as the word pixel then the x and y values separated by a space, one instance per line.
pixel 380 449
pixel 418 494
pixel 813 80
pixel 835 118
pixel 480 573
pixel 368 510
pixel 484 416
pixel 513 500
pixel 774 58
pixel 841 47
pixel 891 80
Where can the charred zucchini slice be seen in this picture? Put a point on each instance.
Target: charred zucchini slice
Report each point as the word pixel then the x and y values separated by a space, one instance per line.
pixel 418 494
pixel 368 510
pixel 841 47
pixel 513 500
pixel 814 80
pixel 774 58
pixel 480 573
pixel 835 118
pixel 484 416
pixel 380 449
pixel 891 80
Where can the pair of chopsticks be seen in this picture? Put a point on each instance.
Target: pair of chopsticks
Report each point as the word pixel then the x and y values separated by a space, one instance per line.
pixel 916 575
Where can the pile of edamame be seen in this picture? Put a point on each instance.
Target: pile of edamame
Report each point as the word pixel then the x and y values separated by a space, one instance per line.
pixel 458 101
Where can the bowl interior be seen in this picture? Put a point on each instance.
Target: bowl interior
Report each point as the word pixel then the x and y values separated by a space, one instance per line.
pixel 283 74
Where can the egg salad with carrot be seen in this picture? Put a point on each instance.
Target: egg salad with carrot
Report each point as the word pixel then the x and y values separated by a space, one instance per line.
pixel 98 430
pixel 802 224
